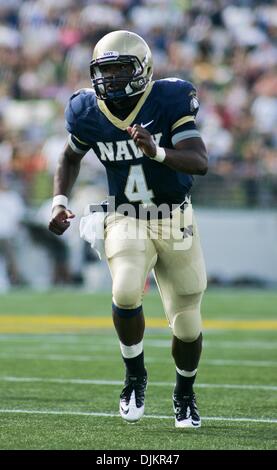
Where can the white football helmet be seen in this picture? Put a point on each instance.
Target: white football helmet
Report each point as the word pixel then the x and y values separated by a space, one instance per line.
pixel 121 47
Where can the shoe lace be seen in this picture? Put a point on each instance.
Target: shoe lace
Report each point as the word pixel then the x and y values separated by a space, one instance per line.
pixel 185 407
pixel 137 384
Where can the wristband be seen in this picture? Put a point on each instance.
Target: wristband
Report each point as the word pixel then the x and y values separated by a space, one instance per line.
pixel 160 154
pixel 59 200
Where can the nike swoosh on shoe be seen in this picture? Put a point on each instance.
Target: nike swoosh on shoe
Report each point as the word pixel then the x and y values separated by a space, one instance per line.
pixel 125 411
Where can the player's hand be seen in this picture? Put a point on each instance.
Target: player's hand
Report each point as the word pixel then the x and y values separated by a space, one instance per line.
pixel 59 222
pixel 143 140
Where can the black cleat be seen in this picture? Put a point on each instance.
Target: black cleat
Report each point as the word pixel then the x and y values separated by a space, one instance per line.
pixel 186 412
pixel 131 405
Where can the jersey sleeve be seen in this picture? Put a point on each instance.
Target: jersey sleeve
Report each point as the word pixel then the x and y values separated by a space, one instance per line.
pixel 184 109
pixel 73 112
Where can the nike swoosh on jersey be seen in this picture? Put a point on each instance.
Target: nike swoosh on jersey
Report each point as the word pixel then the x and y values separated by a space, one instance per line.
pixel 147 124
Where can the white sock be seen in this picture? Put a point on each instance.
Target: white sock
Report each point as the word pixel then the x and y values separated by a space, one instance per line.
pixel 131 351
pixel 186 373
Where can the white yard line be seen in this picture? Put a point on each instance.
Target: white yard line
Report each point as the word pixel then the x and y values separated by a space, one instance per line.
pixel 86 343
pixel 56 349
pixel 86 340
pixel 163 343
pixel 152 360
pixel 47 337
pixel 241 344
pixel 114 345
pixel 120 382
pixel 113 415
pixel 235 362
pixel 50 357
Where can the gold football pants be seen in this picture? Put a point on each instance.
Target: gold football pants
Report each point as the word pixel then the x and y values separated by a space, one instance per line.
pixel 134 247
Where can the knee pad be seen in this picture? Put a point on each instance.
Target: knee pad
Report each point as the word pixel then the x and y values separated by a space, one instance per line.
pixel 186 325
pixel 127 296
pixel 127 287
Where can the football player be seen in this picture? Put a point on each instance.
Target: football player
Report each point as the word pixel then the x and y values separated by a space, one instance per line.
pixel 144 133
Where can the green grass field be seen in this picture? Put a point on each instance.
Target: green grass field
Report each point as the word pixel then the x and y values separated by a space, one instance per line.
pixel 61 375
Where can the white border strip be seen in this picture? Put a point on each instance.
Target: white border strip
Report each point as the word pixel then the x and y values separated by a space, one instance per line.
pixel 74 147
pixel 149 359
pixel 114 415
pixel 120 382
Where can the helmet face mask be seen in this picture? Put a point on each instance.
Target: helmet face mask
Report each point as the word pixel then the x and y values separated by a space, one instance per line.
pixel 119 85
pixel 124 83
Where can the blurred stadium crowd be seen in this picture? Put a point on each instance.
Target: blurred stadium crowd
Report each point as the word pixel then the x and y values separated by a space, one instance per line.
pixel 227 49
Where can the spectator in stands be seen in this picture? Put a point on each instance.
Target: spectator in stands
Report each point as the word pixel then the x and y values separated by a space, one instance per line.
pixel 12 210
pixel 227 49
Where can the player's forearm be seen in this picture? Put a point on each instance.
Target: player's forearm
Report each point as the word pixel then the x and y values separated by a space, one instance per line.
pixel 186 161
pixel 188 156
pixel 66 174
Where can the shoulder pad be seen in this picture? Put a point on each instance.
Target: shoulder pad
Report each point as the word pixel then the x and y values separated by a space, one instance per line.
pixel 178 97
pixel 172 86
pixel 80 100
pixel 77 107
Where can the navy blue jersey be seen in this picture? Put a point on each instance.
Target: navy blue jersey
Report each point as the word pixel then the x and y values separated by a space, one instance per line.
pixel 167 109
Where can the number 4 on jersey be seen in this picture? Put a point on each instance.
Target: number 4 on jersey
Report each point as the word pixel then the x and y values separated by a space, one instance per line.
pixel 136 188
